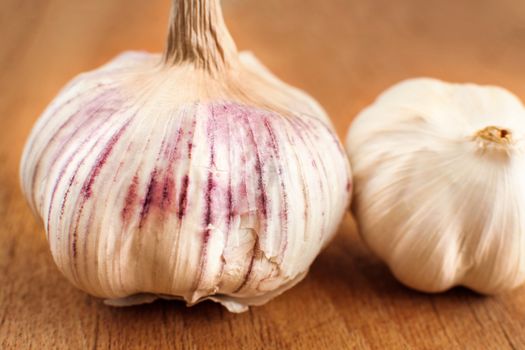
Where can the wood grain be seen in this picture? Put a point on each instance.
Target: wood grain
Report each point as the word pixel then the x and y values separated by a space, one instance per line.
pixel 344 52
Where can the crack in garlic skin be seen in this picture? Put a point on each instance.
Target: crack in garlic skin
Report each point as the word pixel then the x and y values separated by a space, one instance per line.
pixel 439 205
pixel 178 196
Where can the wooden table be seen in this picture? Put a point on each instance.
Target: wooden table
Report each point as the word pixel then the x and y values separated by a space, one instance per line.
pixel 343 52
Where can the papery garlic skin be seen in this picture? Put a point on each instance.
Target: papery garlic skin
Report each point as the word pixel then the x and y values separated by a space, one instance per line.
pixel 180 181
pixel 439 173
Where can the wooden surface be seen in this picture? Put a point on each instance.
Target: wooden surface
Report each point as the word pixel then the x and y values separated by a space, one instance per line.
pixel 343 52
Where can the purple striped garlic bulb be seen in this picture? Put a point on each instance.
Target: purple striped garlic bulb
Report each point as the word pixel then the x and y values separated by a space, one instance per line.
pixel 195 175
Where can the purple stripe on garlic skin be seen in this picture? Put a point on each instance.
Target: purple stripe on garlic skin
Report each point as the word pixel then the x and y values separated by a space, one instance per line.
pixel 93 108
pixel 240 195
pixel 246 243
pixel 205 179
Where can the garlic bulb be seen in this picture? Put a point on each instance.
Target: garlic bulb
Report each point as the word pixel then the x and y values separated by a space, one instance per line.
pixel 196 174
pixel 439 174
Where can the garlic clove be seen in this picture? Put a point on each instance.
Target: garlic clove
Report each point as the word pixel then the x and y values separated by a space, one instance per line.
pixel 438 191
pixel 191 175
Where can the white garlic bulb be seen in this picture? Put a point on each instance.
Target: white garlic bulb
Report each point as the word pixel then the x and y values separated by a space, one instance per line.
pixel 193 175
pixel 439 175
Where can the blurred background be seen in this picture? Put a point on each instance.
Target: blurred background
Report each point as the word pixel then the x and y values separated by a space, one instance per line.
pixel 342 52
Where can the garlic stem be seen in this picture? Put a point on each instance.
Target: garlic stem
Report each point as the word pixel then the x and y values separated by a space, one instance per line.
pixel 495 134
pixel 198 35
